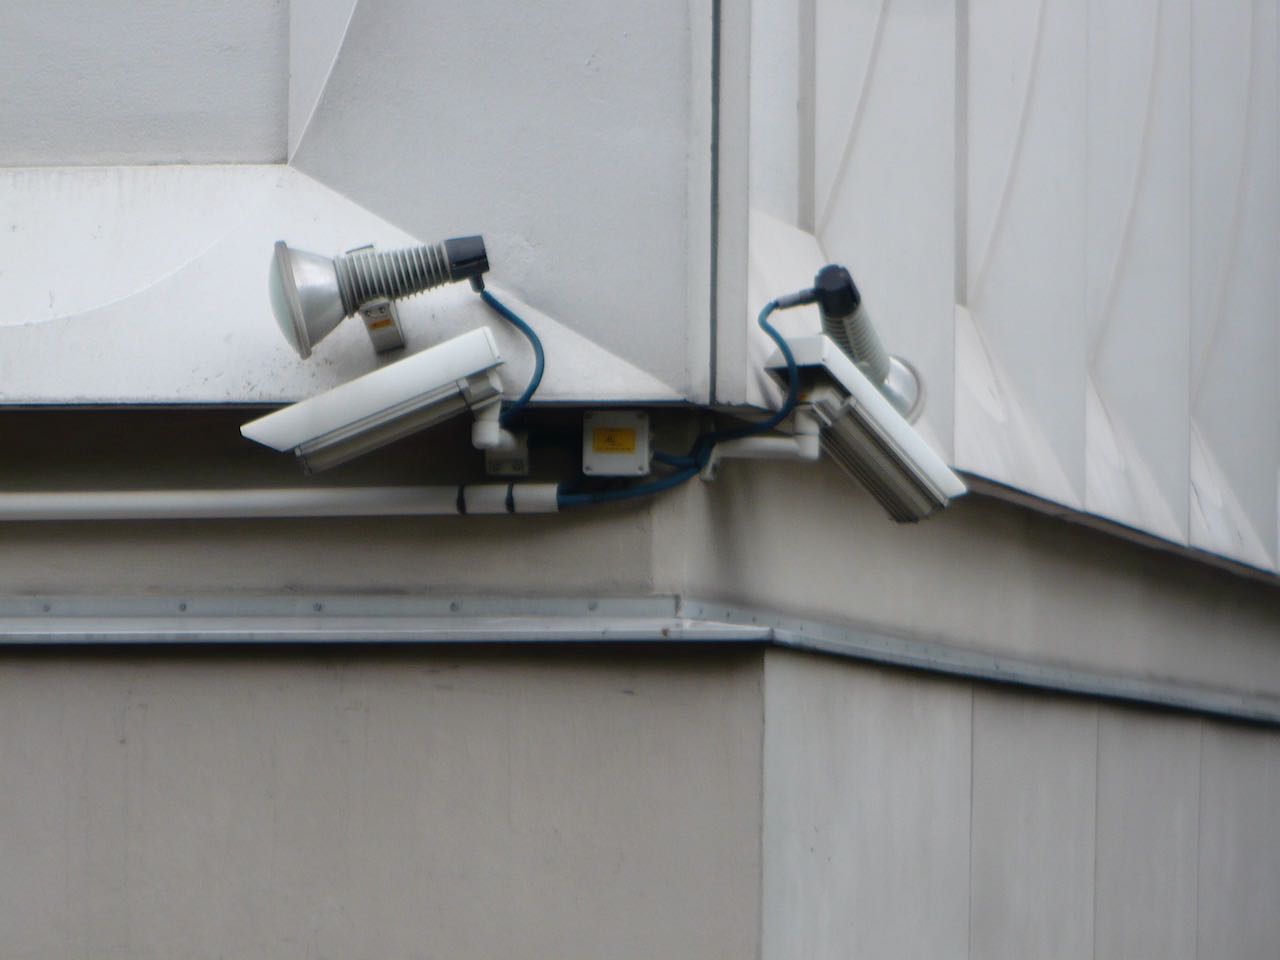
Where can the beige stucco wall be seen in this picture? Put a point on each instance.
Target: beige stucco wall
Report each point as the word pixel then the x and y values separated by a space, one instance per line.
pixel 915 817
pixel 374 805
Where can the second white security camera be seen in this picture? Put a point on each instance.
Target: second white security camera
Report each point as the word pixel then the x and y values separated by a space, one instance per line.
pixel 865 434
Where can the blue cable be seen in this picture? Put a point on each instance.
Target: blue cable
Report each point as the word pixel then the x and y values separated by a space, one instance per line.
pixel 693 463
pixel 702 447
pixel 673 460
pixel 539 358
pixel 793 385
pixel 609 496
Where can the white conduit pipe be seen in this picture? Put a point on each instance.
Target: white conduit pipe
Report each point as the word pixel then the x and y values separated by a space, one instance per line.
pixel 484 498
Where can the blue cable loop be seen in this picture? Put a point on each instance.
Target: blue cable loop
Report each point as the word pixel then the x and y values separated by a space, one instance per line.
pixel 629 493
pixel 539 358
pixel 793 385
pixel 693 463
pixel 673 459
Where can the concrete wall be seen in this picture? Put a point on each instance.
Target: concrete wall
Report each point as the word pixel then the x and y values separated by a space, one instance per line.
pixel 982 576
pixel 913 817
pixel 797 539
pixel 435 804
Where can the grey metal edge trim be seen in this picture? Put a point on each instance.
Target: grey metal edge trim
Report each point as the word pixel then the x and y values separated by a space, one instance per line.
pixel 34 621
pixel 369 618
pixel 857 643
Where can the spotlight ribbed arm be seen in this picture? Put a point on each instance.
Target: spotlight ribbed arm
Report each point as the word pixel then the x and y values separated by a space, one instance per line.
pixel 370 275
pixel 856 336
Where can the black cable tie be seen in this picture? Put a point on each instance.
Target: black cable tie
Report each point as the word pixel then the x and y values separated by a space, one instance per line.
pixel 511 498
pixel 461 503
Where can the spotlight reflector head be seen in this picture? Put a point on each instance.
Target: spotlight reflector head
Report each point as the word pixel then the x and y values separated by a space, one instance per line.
pixel 864 433
pixel 311 294
pixel 305 297
pixel 383 406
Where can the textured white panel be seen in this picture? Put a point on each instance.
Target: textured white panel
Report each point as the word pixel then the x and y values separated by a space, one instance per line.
pixel 562 133
pixel 848 36
pixel 775 116
pixel 885 175
pixel 866 812
pixel 1025 248
pixel 1034 764
pixel 993 426
pixel 73 239
pixel 1138 251
pixel 1148 819
pixel 316 30
pixel 1239 843
pixel 189 321
pixel 1235 302
pixel 155 81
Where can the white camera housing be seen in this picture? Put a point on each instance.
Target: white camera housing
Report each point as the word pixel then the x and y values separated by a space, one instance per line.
pixel 866 435
pixel 390 403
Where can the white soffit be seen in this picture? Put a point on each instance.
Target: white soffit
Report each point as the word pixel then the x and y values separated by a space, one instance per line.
pixel 115 83
pixel 576 142
pixel 316 30
pixel 185 318
pixel 566 134
pixel 73 239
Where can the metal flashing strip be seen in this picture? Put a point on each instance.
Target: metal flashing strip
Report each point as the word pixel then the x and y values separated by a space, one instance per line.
pixel 858 643
pixel 353 619
pixel 42 622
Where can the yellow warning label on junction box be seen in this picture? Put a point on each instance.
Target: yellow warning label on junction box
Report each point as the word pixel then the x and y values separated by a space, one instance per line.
pixel 613 440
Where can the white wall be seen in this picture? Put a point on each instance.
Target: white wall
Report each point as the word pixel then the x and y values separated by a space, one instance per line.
pixel 575 138
pixel 568 135
pixel 1065 214
pixel 143 82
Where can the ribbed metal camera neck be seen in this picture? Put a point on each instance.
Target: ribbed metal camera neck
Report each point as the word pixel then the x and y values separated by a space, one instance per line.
pixel 370 275
pixel 856 336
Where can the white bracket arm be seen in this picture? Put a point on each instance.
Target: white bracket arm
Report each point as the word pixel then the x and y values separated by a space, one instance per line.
pixel 802 444
pixel 487 433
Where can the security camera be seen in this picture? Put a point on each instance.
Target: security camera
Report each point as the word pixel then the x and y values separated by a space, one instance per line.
pixel 380 407
pixel 863 432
